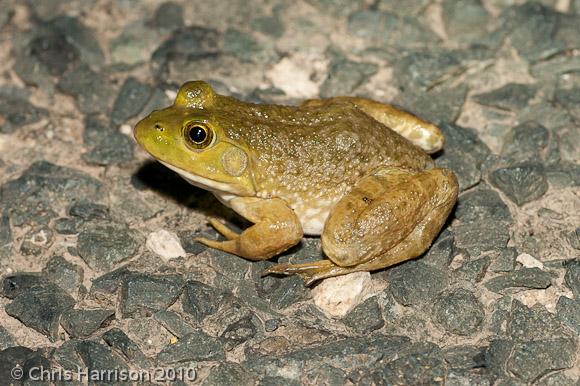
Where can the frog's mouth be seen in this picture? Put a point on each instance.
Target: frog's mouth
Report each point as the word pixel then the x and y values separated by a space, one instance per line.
pixel 209 184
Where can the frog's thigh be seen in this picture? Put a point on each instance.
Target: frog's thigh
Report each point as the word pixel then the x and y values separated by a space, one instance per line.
pixel 276 228
pixel 393 213
pixel 390 191
pixel 421 133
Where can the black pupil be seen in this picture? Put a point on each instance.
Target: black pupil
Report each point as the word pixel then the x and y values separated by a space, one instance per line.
pixel 197 134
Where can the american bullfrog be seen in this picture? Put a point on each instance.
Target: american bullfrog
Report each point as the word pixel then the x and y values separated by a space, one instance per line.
pixel 354 171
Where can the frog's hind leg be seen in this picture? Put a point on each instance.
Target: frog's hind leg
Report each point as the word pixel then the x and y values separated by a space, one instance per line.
pixel 421 133
pixel 311 272
pixel 390 216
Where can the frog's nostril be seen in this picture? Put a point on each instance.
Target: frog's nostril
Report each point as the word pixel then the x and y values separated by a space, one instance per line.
pixel 158 127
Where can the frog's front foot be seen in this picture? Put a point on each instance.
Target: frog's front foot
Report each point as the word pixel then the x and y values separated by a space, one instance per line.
pixel 222 229
pixel 276 228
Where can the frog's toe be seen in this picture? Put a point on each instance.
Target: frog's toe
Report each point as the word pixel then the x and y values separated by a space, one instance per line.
pixel 223 229
pixel 309 272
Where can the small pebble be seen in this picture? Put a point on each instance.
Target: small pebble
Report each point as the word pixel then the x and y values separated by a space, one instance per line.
pixel 338 295
pixel 165 244
pixel 271 325
pixel 529 261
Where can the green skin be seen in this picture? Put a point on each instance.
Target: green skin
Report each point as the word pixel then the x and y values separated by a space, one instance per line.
pixel 294 170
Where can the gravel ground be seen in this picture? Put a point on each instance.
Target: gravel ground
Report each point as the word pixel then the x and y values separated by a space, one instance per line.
pixel 495 301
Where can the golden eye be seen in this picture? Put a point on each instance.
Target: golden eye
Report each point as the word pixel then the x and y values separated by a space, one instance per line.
pixel 197 135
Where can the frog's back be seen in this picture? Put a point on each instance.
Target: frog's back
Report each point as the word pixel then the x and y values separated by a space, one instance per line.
pixel 314 153
pixel 338 132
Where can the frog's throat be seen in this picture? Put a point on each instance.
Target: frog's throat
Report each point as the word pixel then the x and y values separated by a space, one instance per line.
pixel 207 184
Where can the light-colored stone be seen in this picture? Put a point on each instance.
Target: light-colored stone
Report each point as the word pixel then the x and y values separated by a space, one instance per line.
pixel 293 78
pixel 336 296
pixel 529 261
pixel 126 129
pixel 171 94
pixel 547 297
pixel 165 244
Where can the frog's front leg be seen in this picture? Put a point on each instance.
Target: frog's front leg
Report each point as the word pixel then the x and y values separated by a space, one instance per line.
pixel 390 216
pixel 276 228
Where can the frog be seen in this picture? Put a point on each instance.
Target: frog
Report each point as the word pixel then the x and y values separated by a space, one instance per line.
pixel 353 171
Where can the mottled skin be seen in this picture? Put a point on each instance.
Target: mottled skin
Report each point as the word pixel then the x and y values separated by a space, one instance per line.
pixel 355 171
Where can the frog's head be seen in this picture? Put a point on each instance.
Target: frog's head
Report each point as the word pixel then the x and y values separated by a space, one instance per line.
pixel 187 139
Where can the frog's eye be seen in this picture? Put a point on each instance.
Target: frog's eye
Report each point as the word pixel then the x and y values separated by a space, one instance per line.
pixel 197 135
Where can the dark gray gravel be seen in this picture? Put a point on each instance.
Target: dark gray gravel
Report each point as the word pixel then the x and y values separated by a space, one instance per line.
pixel 44 183
pixel 92 90
pixel 174 323
pixel 344 76
pixel 131 99
pixel 6 340
pixel 142 293
pixel 481 236
pixel 366 317
pixel 40 307
pixel 78 199
pixel 109 282
pixel 201 300
pixel 525 277
pixel 107 145
pixel 17 112
pixel 120 342
pixel 529 360
pixel 67 226
pixel 386 28
pixel 65 274
pixel 416 282
pixel 459 312
pixel 100 357
pixel 569 312
pixel 505 261
pixel 196 346
pixel 228 373
pixel 522 183
pixel 482 204
pixel 81 323
pixel 102 245
pixel 511 97
pixel 572 278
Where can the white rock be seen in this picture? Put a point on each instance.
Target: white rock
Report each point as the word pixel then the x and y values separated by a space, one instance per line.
pixel 292 78
pixel 529 261
pixel 547 297
pixel 171 94
pixel 126 129
pixel 165 244
pixel 338 295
